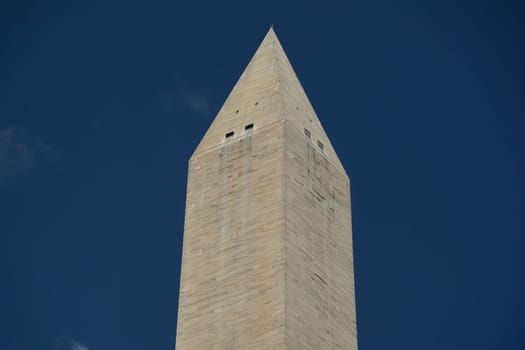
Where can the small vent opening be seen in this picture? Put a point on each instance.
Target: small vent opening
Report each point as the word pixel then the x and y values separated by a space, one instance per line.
pixel 320 144
pixel 307 133
pixel 248 127
pixel 230 134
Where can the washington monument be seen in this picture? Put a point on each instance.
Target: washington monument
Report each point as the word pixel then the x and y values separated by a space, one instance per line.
pixel 267 259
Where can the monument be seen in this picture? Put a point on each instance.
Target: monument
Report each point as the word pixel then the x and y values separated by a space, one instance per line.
pixel 267 259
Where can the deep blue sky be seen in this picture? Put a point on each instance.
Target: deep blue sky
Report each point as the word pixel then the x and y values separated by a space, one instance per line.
pixel 102 103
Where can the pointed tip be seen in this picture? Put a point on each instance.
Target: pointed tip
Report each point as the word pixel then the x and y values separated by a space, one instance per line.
pixel 271 30
pixel 267 91
pixel 271 35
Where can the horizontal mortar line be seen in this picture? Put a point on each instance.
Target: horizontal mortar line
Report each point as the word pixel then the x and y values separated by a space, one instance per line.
pixel 264 128
pixel 238 137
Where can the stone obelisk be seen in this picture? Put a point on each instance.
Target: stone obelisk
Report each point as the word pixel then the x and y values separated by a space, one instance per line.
pixel 267 259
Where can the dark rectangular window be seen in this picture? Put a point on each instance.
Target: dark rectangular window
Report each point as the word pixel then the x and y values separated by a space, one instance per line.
pixel 248 127
pixel 320 144
pixel 307 133
pixel 230 134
